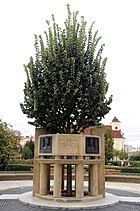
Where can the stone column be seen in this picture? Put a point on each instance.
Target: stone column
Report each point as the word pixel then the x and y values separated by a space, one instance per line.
pixel 93 180
pixel 36 171
pixel 101 182
pixel 79 180
pixel 101 176
pixel 57 180
pixel 44 179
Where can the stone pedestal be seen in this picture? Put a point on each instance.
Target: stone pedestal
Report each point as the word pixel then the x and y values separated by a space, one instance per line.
pixel 63 149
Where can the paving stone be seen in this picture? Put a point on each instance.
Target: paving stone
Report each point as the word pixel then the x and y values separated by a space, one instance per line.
pixel 15 205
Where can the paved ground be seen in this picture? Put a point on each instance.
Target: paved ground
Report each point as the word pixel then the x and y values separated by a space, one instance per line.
pixel 9 190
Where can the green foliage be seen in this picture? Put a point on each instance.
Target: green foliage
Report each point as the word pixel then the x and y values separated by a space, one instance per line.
pixel 18 167
pixel 123 155
pixel 26 153
pixel 21 161
pixel 66 82
pixel 7 143
pixel 130 170
pixel 135 163
pixel 135 157
pixel 116 163
pixel 115 154
pixel 125 169
pixel 28 150
pixel 108 144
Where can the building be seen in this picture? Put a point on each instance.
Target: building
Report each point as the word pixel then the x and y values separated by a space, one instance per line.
pixel 117 134
pixel 24 139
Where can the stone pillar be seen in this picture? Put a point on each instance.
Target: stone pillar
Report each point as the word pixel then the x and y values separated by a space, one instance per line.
pixel 36 178
pixel 101 176
pixel 36 171
pixel 93 180
pixel 101 182
pixel 57 180
pixel 44 179
pixel 79 180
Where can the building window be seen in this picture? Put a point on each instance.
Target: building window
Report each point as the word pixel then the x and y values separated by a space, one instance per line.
pixel 116 127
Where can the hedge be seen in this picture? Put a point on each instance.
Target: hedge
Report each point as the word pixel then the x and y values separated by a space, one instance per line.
pixel 21 161
pixel 125 169
pixel 135 163
pixel 18 167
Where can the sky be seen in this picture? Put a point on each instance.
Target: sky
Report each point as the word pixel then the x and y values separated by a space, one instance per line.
pixel 118 23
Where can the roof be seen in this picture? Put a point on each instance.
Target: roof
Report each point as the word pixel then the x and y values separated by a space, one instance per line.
pixel 115 120
pixel 117 134
pixel 108 127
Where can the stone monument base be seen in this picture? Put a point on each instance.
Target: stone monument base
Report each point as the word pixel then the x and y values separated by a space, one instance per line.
pixel 70 199
pixel 69 203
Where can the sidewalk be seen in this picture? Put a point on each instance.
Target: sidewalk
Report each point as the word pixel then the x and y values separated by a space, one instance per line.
pixel 129 196
pixel 131 187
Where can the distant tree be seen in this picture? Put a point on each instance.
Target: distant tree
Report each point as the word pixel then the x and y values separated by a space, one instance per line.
pixel 28 150
pixel 66 82
pixel 116 154
pixel 17 136
pixel 26 153
pixel 109 142
pixel 7 143
pixel 30 144
pixel 123 155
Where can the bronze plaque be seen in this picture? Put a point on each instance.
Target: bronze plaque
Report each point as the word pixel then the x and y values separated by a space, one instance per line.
pixel 45 144
pixel 92 145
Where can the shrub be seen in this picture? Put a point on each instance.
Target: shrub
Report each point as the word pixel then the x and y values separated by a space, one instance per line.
pixel 21 161
pixel 116 163
pixel 135 157
pixel 135 163
pixel 18 167
pixel 125 169
pixel 130 169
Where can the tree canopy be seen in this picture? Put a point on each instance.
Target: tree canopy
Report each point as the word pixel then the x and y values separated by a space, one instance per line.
pixel 66 85
pixel 8 143
pixel 28 150
pixel 109 142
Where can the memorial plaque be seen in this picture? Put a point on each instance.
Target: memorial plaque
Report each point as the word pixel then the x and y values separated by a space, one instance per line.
pixel 92 145
pixel 45 144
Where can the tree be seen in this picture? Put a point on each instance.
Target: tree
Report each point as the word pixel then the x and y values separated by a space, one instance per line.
pixel 17 146
pixel 7 142
pixel 28 150
pixel 116 154
pixel 108 145
pixel 123 155
pixel 66 85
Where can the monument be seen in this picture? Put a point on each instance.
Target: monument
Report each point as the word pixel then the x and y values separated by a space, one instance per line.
pixel 61 151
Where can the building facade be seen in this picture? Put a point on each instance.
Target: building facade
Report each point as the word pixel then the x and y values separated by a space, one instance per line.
pixel 117 134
